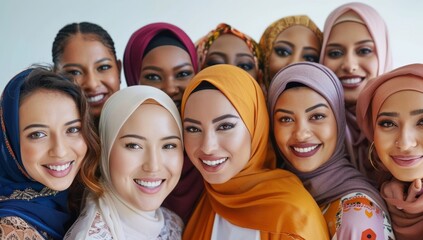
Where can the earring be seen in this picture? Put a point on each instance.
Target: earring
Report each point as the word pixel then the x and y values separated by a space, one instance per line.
pixel 372 146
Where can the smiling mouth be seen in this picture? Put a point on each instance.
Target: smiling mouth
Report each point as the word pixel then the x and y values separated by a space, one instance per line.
pixel 149 184
pixel 59 168
pixel 305 151
pixel 351 82
pixel 214 163
pixel 95 99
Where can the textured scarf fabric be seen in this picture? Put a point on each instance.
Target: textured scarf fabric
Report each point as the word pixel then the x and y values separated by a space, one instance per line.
pixel 336 177
pixel 138 43
pixel 407 223
pixel 357 145
pixel 123 219
pixel 269 36
pixel 46 213
pixel 205 42
pixel 271 201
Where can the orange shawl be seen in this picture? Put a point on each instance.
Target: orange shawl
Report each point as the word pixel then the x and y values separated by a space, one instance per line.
pixel 271 201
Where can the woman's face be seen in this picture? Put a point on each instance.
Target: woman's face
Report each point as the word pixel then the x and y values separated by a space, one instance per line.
pixel 398 135
pixel 305 128
pixel 351 55
pixel 146 157
pixel 52 145
pixel 294 44
pixel 168 68
pixel 94 67
pixel 230 49
pixel 216 139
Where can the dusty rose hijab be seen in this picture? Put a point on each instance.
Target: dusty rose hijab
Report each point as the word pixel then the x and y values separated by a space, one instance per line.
pixel 137 45
pixel 336 177
pixel 407 224
pixel 357 145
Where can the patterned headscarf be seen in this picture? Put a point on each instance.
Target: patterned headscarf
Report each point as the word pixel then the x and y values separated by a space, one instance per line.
pixel 271 201
pixel 20 195
pixel 269 36
pixel 205 42
pixel 336 177
pixel 139 41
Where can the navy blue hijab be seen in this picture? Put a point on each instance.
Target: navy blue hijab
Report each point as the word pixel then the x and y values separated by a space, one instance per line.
pixel 45 209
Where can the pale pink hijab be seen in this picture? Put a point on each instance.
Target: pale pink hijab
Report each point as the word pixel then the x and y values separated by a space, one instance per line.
pixel 408 222
pixel 357 145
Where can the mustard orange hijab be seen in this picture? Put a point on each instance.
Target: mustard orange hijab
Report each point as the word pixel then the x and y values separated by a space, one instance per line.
pixel 271 201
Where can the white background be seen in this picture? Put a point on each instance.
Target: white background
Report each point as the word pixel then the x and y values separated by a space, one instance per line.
pixel 28 27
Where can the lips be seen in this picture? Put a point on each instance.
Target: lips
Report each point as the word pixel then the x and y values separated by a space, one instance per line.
pixel 351 81
pixel 407 161
pixel 59 170
pixel 305 150
pixel 149 186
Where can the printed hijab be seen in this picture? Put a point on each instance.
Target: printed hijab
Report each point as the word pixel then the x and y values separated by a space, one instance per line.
pixel 205 42
pixel 20 195
pixel 123 219
pixel 408 222
pixel 269 36
pixel 271 201
pixel 336 177
pixel 357 145
pixel 140 40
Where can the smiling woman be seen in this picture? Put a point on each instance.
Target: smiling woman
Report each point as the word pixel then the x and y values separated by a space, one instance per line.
pixel 141 164
pixel 45 152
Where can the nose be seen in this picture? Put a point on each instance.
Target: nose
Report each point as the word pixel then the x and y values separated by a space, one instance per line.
pixel 170 87
pixel 58 147
pixel 90 81
pixel 406 139
pixel 209 142
pixel 297 57
pixel 302 131
pixel 350 63
pixel 152 163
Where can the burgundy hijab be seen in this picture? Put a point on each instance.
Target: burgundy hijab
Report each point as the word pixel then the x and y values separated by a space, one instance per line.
pixel 137 45
pixel 337 177
pixel 357 145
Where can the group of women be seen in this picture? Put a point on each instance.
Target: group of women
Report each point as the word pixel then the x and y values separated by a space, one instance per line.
pixel 304 135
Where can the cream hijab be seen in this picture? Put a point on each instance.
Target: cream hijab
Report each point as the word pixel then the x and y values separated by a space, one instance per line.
pixel 124 221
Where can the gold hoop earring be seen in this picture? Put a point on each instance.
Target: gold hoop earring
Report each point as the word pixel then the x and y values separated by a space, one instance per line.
pixel 372 146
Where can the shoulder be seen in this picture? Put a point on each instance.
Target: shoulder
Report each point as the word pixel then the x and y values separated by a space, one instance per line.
pixel 173 225
pixel 17 228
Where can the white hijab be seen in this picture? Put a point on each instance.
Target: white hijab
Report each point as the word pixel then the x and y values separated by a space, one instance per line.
pixel 124 220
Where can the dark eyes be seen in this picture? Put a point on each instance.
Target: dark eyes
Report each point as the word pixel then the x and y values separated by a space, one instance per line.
pixel 246 66
pixel 133 146
pixel 74 130
pixel 282 52
pixel 364 51
pixel 152 77
pixel 336 53
pixel 221 127
pixel 318 117
pixel 311 58
pixel 74 72
pixel 169 146
pixel 184 74
pixel 36 135
pixel 192 129
pixel 104 67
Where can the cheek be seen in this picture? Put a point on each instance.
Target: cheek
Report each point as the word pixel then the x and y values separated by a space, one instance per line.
pixel 332 64
pixel 276 64
pixel 371 66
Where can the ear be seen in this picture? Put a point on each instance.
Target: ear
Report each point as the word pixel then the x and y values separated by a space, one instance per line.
pixel 119 66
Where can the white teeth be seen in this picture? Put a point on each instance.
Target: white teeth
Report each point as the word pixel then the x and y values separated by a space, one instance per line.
pixel 351 80
pixel 214 162
pixel 149 184
pixel 305 150
pixel 95 98
pixel 59 167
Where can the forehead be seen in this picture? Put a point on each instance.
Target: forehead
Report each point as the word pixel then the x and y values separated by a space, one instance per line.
pixel 229 43
pixel 349 32
pixel 208 103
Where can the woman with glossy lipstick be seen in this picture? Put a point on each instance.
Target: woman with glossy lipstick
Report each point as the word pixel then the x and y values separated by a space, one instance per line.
pixel 46 138
pixel 356 48
pixel 390 112
pixel 226 138
pixel 141 162
pixel 86 51
pixel 307 113
pixel 162 55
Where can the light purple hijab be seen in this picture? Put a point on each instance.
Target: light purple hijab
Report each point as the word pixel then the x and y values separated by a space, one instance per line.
pixel 357 145
pixel 337 177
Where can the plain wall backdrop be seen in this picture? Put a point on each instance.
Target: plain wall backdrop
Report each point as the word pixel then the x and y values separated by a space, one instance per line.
pixel 28 28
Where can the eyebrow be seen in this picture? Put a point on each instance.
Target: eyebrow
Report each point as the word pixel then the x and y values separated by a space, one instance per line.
pixel 388 114
pixel 182 65
pixel 80 65
pixel 45 126
pixel 286 42
pixel 357 43
pixel 145 139
pixel 307 110
pixel 245 55
pixel 416 112
pixel 213 121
